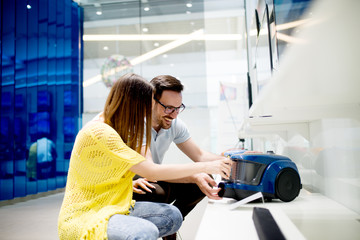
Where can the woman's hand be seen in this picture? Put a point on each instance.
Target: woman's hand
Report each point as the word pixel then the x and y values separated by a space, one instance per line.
pixel 222 167
pixel 141 184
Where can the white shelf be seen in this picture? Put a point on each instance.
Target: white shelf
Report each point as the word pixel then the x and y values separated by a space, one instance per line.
pixel 318 78
pixel 309 216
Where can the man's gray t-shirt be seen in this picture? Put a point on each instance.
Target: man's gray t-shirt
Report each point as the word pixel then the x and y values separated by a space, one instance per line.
pixel 160 141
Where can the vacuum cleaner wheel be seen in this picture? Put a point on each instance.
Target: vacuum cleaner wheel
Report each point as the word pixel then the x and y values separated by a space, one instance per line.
pixel 287 185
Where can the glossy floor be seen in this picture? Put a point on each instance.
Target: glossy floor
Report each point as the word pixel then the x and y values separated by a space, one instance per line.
pixel 36 219
pixel 310 216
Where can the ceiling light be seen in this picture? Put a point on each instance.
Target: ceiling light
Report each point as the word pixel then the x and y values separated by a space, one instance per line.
pixel 180 39
pixel 146 9
pixel 156 44
pixel 167 47
pixel 98 12
pixel 106 48
pixel 92 80
pixel 291 24
pixel 161 37
pixel 188 12
pixel 145 29
pixel 28 6
pixel 156 52
pixel 290 39
pixel 189 4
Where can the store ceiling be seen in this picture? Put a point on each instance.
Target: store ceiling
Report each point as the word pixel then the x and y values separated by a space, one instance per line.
pixel 115 9
pixel 163 17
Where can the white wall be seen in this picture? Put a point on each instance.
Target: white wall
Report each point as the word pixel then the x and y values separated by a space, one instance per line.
pixel 317 91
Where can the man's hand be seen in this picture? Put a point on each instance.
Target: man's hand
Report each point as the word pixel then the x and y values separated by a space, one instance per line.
pixel 207 185
pixel 141 184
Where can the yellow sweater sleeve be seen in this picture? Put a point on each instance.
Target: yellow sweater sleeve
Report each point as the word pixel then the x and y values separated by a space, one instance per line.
pixel 99 183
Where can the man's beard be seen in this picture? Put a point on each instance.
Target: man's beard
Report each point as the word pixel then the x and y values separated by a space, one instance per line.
pixel 165 124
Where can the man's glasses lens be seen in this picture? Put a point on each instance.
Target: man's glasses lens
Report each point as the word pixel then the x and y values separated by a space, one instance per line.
pixel 169 110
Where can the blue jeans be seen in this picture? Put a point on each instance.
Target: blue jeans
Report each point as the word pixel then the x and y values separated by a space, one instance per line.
pixel 146 221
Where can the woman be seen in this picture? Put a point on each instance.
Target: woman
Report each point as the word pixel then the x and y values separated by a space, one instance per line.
pixel 106 155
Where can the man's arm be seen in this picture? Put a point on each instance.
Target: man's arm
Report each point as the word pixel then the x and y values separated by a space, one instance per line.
pixel 206 183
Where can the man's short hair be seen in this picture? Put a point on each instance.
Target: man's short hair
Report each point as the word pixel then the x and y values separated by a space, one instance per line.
pixel 166 82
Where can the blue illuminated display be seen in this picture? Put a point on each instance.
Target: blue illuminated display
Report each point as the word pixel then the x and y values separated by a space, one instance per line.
pixel 41 92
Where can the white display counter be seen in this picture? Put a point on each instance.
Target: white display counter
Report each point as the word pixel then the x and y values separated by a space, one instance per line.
pixel 309 216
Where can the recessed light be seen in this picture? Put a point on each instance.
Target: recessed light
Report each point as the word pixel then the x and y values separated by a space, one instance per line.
pixel 98 13
pixel 146 9
pixel 145 29
pixel 106 48
pixel 189 5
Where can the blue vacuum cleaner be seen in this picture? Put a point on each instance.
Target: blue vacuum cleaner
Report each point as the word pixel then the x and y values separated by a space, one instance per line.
pixel 275 176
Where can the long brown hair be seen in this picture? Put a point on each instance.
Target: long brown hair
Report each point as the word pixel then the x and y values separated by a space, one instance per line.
pixel 128 105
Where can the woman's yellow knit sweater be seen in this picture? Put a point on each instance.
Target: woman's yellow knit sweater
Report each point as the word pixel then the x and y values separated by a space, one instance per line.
pixel 99 183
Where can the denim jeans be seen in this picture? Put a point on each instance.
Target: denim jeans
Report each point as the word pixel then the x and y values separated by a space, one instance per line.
pixel 146 221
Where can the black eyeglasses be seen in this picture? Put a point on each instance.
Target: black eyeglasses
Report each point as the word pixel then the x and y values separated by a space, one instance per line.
pixel 169 110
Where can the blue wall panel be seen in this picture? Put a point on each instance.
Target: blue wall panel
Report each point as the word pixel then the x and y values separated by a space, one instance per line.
pixel 7 100
pixel 41 92
pixel 20 99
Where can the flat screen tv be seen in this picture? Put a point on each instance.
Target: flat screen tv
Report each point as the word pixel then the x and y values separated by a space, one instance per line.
pixel 263 58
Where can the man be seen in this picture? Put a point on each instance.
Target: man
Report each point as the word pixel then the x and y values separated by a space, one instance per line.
pixel 167 128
